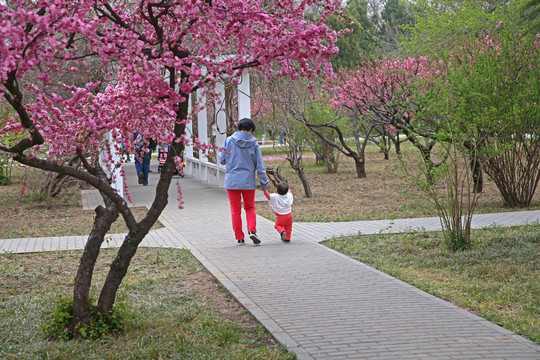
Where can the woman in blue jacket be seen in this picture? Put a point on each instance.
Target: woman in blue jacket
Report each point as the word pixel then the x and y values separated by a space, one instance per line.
pixel 242 156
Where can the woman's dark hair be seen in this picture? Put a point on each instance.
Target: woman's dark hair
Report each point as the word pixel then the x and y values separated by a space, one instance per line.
pixel 246 124
pixel 282 188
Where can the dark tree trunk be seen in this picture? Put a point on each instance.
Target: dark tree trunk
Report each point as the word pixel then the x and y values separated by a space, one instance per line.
pixel 386 145
pixel 118 271
pixel 426 156
pixel 81 291
pixel 305 182
pixel 478 178
pixel 360 166
pixel 130 244
pixel 397 142
pixel 327 158
pixel 397 146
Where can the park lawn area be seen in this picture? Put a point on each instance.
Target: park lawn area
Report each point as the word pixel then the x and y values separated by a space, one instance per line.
pixel 499 279
pixel 26 214
pixel 386 192
pixel 177 310
pixel 169 293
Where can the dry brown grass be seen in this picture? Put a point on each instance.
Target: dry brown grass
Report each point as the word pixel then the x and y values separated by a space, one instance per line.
pixel 31 217
pixel 386 193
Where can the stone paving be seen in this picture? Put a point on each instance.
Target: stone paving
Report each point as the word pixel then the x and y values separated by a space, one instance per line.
pixel 319 303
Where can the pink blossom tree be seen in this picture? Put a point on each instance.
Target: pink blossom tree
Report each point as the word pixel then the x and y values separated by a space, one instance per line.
pixel 154 55
pixel 378 98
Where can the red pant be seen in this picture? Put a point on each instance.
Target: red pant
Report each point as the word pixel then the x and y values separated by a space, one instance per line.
pixel 284 223
pixel 235 199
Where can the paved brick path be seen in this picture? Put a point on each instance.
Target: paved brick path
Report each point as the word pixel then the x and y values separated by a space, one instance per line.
pixel 320 303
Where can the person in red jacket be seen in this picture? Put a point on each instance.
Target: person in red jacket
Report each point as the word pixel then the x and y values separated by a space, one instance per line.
pixel 281 205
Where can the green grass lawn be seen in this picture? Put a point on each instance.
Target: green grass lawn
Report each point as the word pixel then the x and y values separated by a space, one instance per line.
pixel 178 311
pixel 174 316
pixel 499 279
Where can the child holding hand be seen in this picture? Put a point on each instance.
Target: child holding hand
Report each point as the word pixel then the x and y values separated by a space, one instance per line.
pixel 281 203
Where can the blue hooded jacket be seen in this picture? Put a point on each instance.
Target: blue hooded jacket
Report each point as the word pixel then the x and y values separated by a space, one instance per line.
pixel 242 157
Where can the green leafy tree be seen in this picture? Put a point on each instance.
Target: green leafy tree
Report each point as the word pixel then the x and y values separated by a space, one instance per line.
pixel 531 15
pixel 395 17
pixel 361 39
pixel 498 92
pixel 440 26
pixel 489 63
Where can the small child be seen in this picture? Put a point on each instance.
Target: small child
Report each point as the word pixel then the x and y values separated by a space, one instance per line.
pixel 280 204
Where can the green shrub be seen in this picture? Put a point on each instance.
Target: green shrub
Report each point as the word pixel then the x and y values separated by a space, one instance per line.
pixel 56 325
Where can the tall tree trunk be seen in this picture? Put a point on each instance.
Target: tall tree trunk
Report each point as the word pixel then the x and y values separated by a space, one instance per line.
pixel 387 145
pixel 426 156
pixel 130 244
pixel 360 166
pixel 81 291
pixel 397 145
pixel 397 142
pixel 478 178
pixel 305 182
pixel 118 271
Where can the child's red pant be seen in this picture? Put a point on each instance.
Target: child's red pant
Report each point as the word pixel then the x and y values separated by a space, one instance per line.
pixel 235 200
pixel 284 223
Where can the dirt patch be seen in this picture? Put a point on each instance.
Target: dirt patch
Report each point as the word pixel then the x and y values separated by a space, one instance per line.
pixel 386 193
pixel 26 214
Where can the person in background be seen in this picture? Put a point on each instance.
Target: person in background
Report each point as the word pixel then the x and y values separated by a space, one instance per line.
pixel 142 156
pixel 242 156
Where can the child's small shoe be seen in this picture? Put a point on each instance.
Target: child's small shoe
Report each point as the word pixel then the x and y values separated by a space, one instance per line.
pixel 241 242
pixel 284 237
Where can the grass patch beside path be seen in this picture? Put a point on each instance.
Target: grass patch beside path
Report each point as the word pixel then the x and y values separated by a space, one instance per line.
pixel 385 194
pixel 498 280
pixel 30 216
pixel 179 310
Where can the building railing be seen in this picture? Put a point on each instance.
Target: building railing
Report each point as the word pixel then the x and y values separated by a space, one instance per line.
pixel 204 170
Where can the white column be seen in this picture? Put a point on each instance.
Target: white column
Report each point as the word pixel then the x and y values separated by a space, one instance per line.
pixel 189 131
pixel 118 179
pixel 202 128
pixel 188 152
pixel 221 128
pixel 114 173
pixel 202 123
pixel 221 117
pixel 244 102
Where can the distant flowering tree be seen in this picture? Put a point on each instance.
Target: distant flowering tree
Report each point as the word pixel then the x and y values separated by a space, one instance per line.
pixel 154 54
pixel 379 98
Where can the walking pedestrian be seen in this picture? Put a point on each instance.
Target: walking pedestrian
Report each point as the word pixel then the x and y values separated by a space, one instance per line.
pixel 142 156
pixel 281 205
pixel 242 156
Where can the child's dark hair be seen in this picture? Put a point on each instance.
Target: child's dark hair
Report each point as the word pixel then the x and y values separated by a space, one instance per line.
pixel 246 124
pixel 282 188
